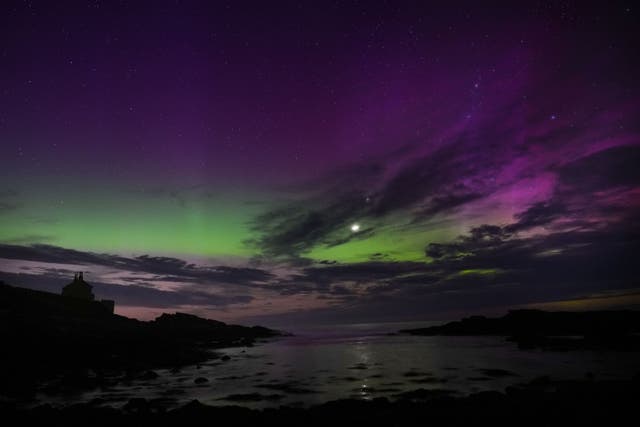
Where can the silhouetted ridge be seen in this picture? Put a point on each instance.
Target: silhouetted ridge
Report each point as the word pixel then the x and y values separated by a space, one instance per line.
pixel 551 330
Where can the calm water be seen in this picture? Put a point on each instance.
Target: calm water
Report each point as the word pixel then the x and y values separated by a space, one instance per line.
pixel 318 365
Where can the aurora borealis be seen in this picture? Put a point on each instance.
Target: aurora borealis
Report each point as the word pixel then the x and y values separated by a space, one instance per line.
pixel 215 158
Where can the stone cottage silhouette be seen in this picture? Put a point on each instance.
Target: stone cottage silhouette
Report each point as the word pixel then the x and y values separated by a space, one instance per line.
pixel 80 289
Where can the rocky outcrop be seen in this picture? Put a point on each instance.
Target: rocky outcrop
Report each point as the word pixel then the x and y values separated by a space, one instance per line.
pixel 45 335
pixel 613 330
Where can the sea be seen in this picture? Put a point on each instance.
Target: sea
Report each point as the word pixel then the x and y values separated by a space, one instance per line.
pixel 362 361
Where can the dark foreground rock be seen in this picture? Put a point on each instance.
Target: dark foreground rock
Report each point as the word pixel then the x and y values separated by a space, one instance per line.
pixel 73 344
pixel 591 330
pixel 539 403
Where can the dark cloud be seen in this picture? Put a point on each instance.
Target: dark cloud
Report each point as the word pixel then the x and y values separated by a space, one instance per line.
pixel 56 254
pixel 490 266
pixel 437 177
pixel 421 185
pixel 584 185
pixel 486 232
pixel 557 265
pixel 538 214
pixel 486 269
pixel 493 265
pixel 443 203
pixel 295 229
pixel 131 295
pixel 612 167
pixel 372 271
pixel 165 267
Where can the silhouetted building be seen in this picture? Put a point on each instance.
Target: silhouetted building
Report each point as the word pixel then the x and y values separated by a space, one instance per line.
pixel 78 288
pixel 109 304
pixel 82 290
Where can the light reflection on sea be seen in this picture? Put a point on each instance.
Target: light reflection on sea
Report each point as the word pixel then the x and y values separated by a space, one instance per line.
pixel 320 364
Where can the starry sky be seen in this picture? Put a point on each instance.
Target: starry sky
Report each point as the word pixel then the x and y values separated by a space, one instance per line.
pixel 322 161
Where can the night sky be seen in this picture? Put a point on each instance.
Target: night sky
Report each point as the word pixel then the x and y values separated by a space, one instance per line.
pixel 322 161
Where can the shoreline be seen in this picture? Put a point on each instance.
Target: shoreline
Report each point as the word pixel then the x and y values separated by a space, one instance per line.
pixel 540 402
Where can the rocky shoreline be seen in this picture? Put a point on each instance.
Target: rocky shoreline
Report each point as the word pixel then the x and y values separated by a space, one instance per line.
pixel 56 347
pixel 69 344
pixel 539 402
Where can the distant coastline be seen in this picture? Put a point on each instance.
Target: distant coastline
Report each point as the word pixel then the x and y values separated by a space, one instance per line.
pixel 591 330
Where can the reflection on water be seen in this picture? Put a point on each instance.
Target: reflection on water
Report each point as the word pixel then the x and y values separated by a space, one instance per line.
pixel 361 361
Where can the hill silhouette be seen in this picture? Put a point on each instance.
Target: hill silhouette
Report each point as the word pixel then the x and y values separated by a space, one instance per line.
pixel 45 335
